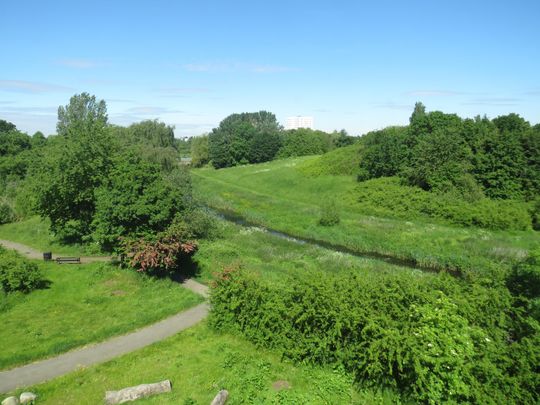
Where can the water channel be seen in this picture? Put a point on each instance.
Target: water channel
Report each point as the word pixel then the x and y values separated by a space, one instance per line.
pixel 409 263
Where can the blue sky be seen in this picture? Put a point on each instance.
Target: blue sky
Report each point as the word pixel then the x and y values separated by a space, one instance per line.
pixel 357 65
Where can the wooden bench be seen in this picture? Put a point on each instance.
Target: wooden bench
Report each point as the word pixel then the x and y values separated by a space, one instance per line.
pixel 68 260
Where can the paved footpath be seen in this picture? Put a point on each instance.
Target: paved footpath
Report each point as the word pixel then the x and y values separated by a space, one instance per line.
pixel 32 253
pixel 48 369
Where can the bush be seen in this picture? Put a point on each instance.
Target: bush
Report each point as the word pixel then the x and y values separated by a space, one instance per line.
pixel 161 256
pixel 436 339
pixel 329 214
pixel 194 223
pixel 6 213
pixel 387 197
pixel 303 142
pixel 17 273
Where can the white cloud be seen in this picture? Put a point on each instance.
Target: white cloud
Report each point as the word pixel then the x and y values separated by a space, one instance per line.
pixel 31 110
pixel 150 110
pixel 237 67
pixel 394 106
pixel 181 91
pixel 23 86
pixel 79 63
pixel 494 101
pixel 434 93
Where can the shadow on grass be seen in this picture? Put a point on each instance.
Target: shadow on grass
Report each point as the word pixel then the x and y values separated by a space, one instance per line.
pixel 187 269
pixel 43 285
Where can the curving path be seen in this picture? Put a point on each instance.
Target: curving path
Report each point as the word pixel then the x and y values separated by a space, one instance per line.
pixel 32 253
pixel 48 369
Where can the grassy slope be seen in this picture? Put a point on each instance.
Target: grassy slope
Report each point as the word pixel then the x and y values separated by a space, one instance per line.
pixel 200 362
pixel 83 304
pixel 34 232
pixel 279 196
pixel 341 161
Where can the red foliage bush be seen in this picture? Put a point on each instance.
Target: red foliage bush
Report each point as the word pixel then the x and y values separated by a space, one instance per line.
pixel 161 255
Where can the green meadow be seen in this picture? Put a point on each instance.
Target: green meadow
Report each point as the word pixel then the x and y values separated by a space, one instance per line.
pixel 281 196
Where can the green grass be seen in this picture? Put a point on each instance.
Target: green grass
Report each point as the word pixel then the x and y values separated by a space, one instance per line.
pixel 199 362
pixel 340 161
pixel 279 196
pixel 35 232
pixel 83 304
pixel 278 260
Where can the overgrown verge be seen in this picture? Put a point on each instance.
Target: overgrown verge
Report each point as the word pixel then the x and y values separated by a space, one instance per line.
pixel 387 197
pixel 434 338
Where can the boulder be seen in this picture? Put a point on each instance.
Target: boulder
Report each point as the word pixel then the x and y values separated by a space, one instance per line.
pixel 10 401
pixel 220 398
pixel 137 392
pixel 27 398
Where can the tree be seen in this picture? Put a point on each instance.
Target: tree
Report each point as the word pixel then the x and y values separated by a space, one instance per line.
pixel 199 151
pixel 418 113
pixel 239 138
pixel 83 115
pixel 6 126
pixel 74 166
pixel 499 164
pixel 440 161
pixel 530 143
pixel 511 123
pixel 385 152
pixel 152 133
pixel 136 200
pixel 264 146
pixel 342 139
pixel 305 141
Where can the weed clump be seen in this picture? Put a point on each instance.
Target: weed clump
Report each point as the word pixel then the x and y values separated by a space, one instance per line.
pixel 329 214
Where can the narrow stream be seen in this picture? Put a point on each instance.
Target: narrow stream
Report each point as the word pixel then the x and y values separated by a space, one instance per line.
pixel 412 264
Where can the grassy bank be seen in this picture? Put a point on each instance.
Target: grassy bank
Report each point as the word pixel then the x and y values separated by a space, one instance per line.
pixel 276 259
pixel 200 362
pixel 279 196
pixel 35 232
pixel 82 304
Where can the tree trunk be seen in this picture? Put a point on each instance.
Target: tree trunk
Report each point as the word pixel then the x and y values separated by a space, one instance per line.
pixel 134 393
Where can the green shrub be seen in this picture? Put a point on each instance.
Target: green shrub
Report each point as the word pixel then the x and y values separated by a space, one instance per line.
pixel 435 338
pixel 387 197
pixel 329 214
pixel 17 273
pixel 6 213
pixel 304 142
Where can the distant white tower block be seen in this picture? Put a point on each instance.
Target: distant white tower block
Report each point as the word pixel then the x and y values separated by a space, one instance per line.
pixel 299 122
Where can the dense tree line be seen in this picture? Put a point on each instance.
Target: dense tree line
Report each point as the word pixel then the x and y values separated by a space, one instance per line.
pixel 499 158
pixel 258 137
pixel 17 152
pixel 470 158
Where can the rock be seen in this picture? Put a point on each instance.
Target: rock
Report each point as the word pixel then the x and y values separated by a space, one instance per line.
pixel 220 398
pixel 10 401
pixel 137 392
pixel 281 385
pixel 27 397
